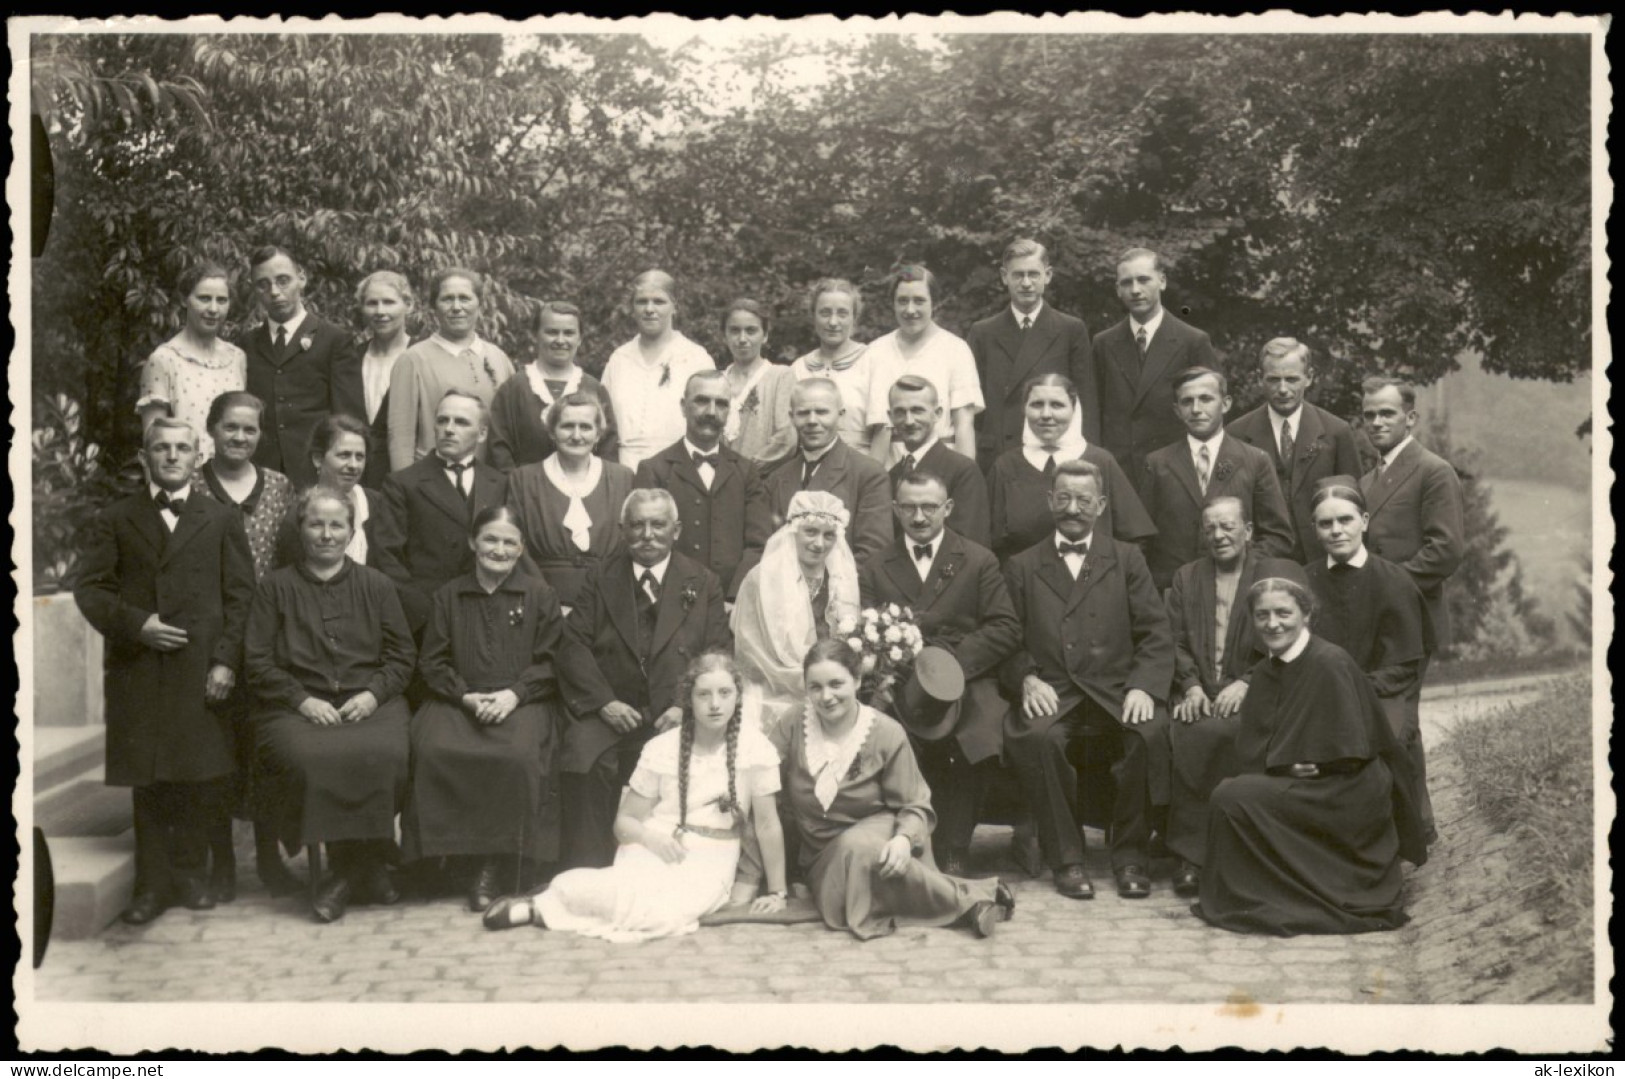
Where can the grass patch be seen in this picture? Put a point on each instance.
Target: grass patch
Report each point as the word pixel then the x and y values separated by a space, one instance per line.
pixel 1442 672
pixel 1528 769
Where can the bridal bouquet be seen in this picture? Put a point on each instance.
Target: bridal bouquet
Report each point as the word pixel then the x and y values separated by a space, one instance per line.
pixel 888 640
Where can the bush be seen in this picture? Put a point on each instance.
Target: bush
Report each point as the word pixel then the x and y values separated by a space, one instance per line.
pixel 70 485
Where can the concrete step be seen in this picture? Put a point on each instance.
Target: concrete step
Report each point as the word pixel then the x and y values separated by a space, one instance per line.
pixel 94 878
pixel 62 754
pixel 83 808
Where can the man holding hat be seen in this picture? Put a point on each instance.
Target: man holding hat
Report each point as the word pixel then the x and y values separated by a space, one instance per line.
pixel 1097 662
pixel 961 605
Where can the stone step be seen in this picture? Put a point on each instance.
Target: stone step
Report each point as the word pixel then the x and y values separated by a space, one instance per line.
pixel 65 754
pixel 94 878
pixel 84 808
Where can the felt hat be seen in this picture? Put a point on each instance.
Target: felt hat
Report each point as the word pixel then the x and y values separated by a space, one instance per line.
pixel 928 703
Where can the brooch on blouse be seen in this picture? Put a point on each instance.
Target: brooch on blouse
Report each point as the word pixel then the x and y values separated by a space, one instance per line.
pixel 516 615
pixel 752 402
pixel 665 373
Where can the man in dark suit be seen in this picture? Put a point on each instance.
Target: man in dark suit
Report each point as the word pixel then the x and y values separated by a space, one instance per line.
pixel 1179 479
pixel 1214 650
pixel 1304 441
pixel 720 501
pixel 167 578
pixel 1414 498
pixel 1096 663
pixel 1027 339
pixel 290 365
pixel 915 412
pixel 1135 360
pixel 644 615
pixel 961 604
pixel 823 462
pixel 422 533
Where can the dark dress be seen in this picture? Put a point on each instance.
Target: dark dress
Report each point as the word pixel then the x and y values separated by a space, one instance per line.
pixel 1375 614
pixel 541 508
pixel 1020 496
pixel 1321 855
pixel 518 436
pixel 487 788
pixel 331 640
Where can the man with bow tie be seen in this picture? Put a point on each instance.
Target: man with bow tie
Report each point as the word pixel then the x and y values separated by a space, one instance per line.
pixel 960 603
pixel 166 577
pixel 1180 478
pixel 422 531
pixel 1096 663
pixel 644 614
pixel 720 499
pixel 915 412
pixel 291 361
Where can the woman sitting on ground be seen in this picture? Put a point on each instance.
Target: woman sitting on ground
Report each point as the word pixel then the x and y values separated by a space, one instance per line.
pixel 696 788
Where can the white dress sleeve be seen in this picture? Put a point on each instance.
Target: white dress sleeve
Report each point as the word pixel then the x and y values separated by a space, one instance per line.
pixel 758 764
pixel 658 760
pixel 157 379
pixel 964 385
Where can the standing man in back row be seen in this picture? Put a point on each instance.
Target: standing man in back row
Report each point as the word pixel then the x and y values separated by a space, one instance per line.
pixel 1135 362
pixel 1027 339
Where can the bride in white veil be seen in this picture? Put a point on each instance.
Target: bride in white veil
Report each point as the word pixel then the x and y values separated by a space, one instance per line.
pixel 805 588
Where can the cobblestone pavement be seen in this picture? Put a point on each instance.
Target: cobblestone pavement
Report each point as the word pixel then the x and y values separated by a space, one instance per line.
pixel 1055 951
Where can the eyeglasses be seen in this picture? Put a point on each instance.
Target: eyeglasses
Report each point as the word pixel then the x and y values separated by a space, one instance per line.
pixel 928 508
pixel 266 284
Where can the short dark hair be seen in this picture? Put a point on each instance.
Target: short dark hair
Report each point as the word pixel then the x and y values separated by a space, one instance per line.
pixel 1377 383
pixel 750 307
pixel 918 478
pixel 330 427
pixel 578 399
pixel 199 272
pixel 1337 490
pixel 1220 500
pixel 835 284
pixel 834 649
pixel 558 309
pixel 913 384
pixel 913 271
pixel 1132 253
pixel 1304 598
pixel 261 255
pixel 1191 374
pixel 473 277
pixel 232 399
pixel 1023 247
pixel 499 512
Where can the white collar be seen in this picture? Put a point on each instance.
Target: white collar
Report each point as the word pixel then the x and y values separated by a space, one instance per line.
pixel 693 449
pixel 1361 557
pixel 291 325
pixel 183 494
pixel 658 569
pixel 900 451
pixel 538 382
pixel 828 761
pixel 467 459
pixel 1213 446
pixel 823 453
pixel 475 345
pixel 1393 454
pixel 1296 648
pixel 1068 450
pixel 1150 325
pixel 1276 420
pixel 1033 314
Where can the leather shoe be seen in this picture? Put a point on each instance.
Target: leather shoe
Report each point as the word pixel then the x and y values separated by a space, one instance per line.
pixel 1188 881
pixel 376 886
pixel 1073 882
pixel 484 889
pixel 510 912
pixel 277 878
pixel 1005 900
pixel 143 908
pixel 194 894
pixel 223 884
pixel 1132 883
pixel 953 863
pixel 332 899
pixel 984 917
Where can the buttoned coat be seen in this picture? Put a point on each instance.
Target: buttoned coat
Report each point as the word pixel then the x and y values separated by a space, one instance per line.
pixel 422 530
pixel 972 515
pixel 857 479
pixel 1097 637
pixel 601 660
pixel 297 385
pixel 1323 446
pixel 1417 522
pixel 199 578
pixel 1174 499
pixel 962 605
pixel 1007 356
pixel 722 524
pixel 1137 402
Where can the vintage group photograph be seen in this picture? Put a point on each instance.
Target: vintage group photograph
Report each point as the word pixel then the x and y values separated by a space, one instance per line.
pixel 1009 532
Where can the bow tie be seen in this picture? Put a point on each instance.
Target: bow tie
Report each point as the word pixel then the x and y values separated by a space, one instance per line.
pixel 165 501
pixel 1079 549
pixel 922 551
pixel 702 458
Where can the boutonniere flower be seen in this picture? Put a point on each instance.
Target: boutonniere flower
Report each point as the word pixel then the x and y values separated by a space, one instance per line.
pixel 1223 470
pixel 752 402
pixel 305 343
pixel 665 373
pixel 948 571
pixel 1312 452
pixel 516 616
pixel 691 596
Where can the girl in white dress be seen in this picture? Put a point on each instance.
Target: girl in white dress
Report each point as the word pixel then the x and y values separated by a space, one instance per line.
pixel 185 374
pixel 920 347
pixel 645 377
pixel 696 788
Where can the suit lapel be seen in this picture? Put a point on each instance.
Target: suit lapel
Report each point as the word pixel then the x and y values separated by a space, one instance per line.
pixel 187 526
pixel 1185 469
pixel 1158 356
pixel 1126 355
pixel 943 569
pixel 1307 438
pixel 487 482
pixel 149 523
pixel 1393 477
pixel 831 470
pixel 727 471
pixel 621 603
pixel 900 568
pixel 1053 572
pixel 438 491
pixel 1098 563
pixel 1031 345
pixel 670 613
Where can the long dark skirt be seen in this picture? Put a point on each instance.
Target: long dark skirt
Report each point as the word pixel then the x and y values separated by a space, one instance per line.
pixel 1204 754
pixel 482 789
pixel 851 894
pixel 336 783
pixel 1288 856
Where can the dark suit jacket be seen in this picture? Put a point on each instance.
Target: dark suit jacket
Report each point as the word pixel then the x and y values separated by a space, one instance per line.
pixel 964 606
pixel 350 398
pixel 296 385
pixel 1417 522
pixel 199 578
pixel 1006 358
pixel 601 660
pixel 1137 405
pixel 1191 608
pixel 855 478
pixel 720 525
pixel 1174 499
pixel 1323 447
pixel 966 486
pixel 1097 637
pixel 422 532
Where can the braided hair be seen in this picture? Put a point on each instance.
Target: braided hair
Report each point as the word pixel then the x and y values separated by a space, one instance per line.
pixel 702 665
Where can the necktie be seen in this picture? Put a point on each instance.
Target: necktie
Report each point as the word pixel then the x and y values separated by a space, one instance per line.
pixel 808 467
pixel 651 587
pixel 1026 323
pixel 908 463
pixel 922 551
pixel 648 597
pixel 1204 465
pixel 457 471
pixel 1382 466
pixel 1049 467
pixel 281 338
pixel 1286 447
pixel 1143 341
